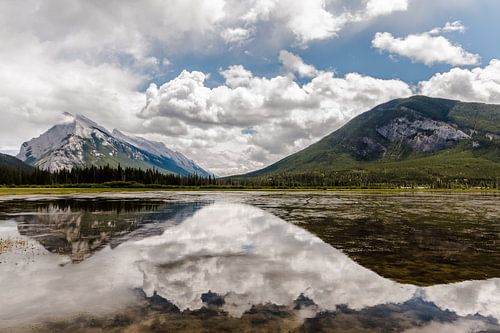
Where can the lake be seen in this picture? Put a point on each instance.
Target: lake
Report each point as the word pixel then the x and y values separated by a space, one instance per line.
pixel 250 262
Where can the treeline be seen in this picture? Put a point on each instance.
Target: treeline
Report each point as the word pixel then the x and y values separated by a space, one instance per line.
pixel 129 177
pixel 365 179
pixel 100 175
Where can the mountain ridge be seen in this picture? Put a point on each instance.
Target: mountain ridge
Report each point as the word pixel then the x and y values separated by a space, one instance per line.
pixel 417 135
pixel 79 142
pixel 12 163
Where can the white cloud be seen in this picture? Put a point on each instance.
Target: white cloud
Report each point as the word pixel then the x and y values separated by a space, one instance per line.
pixel 136 29
pixel 251 121
pixel 36 88
pixel 95 57
pixel 425 48
pixel 236 35
pixel 295 64
pixel 473 85
pixel 237 76
pixel 455 26
pixel 282 115
pixel 311 20
pixel 88 57
pixel 95 30
pixel 376 8
pixel 302 21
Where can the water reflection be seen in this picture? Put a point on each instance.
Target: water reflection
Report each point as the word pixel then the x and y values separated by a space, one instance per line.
pixel 243 255
pixel 419 238
pixel 79 228
pixel 253 257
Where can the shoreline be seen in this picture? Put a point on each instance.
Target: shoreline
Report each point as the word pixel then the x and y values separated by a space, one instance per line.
pixel 4 191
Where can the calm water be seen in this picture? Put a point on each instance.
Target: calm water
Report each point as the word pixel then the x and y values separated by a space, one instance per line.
pixel 250 261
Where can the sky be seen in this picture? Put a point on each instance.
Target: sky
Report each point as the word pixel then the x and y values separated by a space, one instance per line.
pixel 236 85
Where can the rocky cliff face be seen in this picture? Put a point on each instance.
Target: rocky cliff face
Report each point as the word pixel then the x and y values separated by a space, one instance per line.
pixel 420 129
pixel 422 135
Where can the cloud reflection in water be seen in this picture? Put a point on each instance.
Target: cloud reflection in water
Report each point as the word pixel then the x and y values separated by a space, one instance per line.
pixel 238 251
pixel 257 258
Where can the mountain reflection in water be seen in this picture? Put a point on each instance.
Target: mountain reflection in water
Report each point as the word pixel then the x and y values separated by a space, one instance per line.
pixel 79 228
pixel 239 253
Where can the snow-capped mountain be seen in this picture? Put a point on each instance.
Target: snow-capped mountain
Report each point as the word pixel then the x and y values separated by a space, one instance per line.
pixel 159 149
pixel 80 142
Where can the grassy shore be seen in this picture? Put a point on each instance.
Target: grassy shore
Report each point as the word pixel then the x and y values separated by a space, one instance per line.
pixel 79 190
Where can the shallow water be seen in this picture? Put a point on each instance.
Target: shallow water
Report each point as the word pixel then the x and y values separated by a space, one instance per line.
pixel 250 261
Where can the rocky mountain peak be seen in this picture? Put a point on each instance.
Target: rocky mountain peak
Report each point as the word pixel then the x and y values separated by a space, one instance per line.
pixel 79 141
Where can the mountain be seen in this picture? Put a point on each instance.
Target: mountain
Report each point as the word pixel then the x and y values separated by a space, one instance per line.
pixel 159 149
pixel 80 142
pixel 412 137
pixel 11 163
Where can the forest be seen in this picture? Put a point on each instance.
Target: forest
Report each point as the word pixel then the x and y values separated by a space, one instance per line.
pixel 134 177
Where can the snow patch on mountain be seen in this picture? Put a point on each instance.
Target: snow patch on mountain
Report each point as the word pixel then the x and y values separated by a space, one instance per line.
pixel 79 142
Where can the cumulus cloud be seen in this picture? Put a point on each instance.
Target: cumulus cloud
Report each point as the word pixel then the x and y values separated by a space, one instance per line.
pixel 96 30
pixel 250 121
pixel 308 21
pixel 425 48
pixel 36 89
pixel 55 53
pixel 236 35
pixel 136 29
pixel 241 125
pixel 295 64
pixel 237 76
pixel 474 85
pixel 455 26
pixel 376 8
pixel 96 58
pixel 88 57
